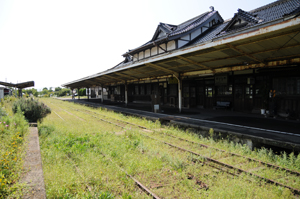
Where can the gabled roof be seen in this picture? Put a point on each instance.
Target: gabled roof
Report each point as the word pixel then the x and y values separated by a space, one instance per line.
pixel 264 14
pixel 163 27
pixel 193 23
pixel 172 31
pixel 248 17
pixel 210 49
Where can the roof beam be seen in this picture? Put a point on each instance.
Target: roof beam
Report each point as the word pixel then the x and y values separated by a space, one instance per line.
pixel 114 77
pixel 271 37
pixel 244 53
pixel 162 68
pixel 193 62
pixel 243 67
pixel 128 76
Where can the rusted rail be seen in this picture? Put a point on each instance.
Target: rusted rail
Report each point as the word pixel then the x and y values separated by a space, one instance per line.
pixel 295 191
pixel 143 187
pixel 206 146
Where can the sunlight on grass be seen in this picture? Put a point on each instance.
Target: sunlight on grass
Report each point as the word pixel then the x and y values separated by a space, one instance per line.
pixel 77 149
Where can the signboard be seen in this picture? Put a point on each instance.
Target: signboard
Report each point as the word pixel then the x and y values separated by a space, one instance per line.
pixel 221 80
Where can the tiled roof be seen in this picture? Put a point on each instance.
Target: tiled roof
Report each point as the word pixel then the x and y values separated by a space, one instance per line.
pixel 167 27
pixel 192 23
pixel 247 16
pixel 209 34
pixel 258 16
pixel 264 14
pixel 173 30
pixel 276 10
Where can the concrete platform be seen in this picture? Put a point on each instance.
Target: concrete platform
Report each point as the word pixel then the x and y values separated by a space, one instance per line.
pixel 251 129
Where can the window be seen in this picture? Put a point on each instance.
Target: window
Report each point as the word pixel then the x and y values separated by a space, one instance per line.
pixel 148 90
pixel 287 85
pixel 117 90
pixel 173 89
pixel 186 92
pixel 224 90
pixel 136 89
pixel 209 91
pixel 142 91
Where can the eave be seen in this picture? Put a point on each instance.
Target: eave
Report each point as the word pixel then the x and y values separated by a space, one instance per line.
pixel 246 48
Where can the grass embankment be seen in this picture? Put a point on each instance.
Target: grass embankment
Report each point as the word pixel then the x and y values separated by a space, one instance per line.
pixel 13 132
pixel 76 149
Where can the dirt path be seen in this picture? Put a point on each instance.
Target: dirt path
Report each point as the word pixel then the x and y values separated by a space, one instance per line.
pixel 33 170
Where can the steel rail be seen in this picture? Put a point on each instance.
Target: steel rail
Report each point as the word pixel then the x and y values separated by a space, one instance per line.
pixel 203 145
pixel 295 191
pixel 143 187
pixel 235 154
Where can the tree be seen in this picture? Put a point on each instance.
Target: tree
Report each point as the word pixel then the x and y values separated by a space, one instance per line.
pixel 45 91
pixel 57 89
pixel 63 92
pixel 82 92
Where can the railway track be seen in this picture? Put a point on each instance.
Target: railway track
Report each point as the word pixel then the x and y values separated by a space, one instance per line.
pixel 81 174
pixel 217 158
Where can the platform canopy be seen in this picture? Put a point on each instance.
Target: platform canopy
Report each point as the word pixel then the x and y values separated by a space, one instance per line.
pixel 18 85
pixel 264 42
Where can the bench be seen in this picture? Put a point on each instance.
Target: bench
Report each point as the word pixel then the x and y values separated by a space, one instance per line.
pixel 221 104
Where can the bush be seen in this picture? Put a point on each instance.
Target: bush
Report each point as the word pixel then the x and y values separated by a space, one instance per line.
pixel 32 109
pixel 82 92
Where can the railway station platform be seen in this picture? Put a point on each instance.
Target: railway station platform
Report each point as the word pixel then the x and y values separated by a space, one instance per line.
pixel 255 130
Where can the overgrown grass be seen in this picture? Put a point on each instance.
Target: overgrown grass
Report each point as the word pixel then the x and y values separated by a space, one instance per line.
pixel 13 132
pixel 77 149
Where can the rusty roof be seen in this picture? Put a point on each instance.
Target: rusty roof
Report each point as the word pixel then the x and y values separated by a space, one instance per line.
pixel 271 39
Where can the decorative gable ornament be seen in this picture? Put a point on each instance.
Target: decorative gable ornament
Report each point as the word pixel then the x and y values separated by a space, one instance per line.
pixel 163 30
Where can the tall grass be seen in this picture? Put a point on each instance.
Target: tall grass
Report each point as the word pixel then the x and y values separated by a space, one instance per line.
pixel 89 144
pixel 13 132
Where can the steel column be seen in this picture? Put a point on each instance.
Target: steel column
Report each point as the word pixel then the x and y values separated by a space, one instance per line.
pixel 179 93
pixel 20 92
pixel 102 95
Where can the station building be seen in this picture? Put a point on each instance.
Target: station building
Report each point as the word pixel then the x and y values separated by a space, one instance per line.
pixel 246 63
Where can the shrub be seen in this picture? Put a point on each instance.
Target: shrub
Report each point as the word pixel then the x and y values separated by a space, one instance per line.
pixel 32 109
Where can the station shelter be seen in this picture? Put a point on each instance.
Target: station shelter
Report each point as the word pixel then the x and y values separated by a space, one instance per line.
pixel 247 63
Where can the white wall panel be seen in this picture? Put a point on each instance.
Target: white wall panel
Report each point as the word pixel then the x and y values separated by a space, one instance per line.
pixel 186 37
pixel 161 50
pixel 141 55
pixel 196 33
pixel 154 51
pixel 181 43
pixel 135 57
pixel 147 53
pixel 171 45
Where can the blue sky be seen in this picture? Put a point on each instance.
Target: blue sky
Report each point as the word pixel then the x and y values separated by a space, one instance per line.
pixel 53 42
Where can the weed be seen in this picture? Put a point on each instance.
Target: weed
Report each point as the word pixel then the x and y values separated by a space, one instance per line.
pixel 32 109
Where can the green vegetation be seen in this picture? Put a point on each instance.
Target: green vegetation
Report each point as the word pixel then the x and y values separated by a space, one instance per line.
pixel 82 92
pixel 58 91
pixel 77 148
pixel 32 109
pixel 13 132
